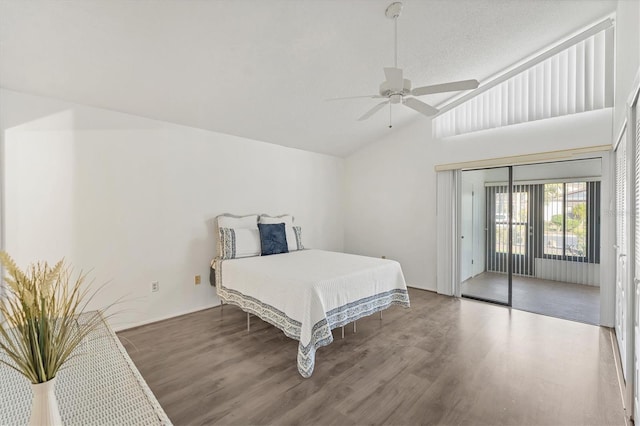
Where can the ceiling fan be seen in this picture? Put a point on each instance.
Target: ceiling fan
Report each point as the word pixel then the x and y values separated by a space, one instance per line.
pixel 397 90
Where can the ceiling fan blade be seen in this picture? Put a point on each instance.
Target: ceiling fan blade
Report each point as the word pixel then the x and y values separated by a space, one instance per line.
pixel 373 110
pixel 420 106
pixel 354 97
pixel 445 87
pixel 394 78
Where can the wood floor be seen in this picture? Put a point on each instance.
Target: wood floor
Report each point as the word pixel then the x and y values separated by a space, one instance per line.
pixel 575 302
pixel 442 361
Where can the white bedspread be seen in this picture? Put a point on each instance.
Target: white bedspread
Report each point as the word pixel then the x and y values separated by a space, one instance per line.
pixel 308 293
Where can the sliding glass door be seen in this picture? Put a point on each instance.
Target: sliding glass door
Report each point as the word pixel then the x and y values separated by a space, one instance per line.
pixel 530 237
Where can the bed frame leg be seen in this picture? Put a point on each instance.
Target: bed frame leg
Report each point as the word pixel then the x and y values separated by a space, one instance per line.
pixel 354 327
pixel 221 307
pixel 380 315
pixel 343 331
pixel 248 322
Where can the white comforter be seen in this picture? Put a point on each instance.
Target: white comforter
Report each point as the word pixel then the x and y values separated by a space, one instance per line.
pixel 308 293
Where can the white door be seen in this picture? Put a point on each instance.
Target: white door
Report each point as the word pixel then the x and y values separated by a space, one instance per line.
pixel 479 228
pixel 622 293
pixel 636 281
pixel 636 330
pixel 466 231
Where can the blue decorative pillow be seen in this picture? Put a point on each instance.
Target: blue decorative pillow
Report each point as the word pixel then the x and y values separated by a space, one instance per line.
pixel 273 238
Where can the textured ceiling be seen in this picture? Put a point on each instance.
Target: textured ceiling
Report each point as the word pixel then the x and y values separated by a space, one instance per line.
pixel 262 68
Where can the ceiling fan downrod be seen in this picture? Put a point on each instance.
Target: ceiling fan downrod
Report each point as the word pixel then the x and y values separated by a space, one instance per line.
pixel 392 12
pixel 397 90
pixel 395 44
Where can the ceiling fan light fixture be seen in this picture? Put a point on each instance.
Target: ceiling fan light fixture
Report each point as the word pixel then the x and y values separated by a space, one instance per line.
pixel 386 90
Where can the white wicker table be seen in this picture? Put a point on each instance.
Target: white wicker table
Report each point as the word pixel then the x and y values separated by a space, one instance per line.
pixel 101 386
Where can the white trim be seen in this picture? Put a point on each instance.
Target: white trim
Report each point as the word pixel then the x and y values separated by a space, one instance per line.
pixel 632 273
pixel 607 241
pixel 517 69
pixel 623 127
pixel 456 285
pixel 631 100
pixel 2 202
pixel 516 160
pixel 164 317
pixel 630 286
pixel 635 91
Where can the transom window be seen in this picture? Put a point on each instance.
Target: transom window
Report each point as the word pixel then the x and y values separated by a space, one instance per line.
pixel 572 77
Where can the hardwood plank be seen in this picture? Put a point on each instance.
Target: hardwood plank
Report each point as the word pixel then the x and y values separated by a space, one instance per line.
pixel 443 361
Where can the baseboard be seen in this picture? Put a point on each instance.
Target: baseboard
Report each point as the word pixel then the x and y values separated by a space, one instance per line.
pixel 432 290
pixel 200 308
pixel 618 364
pixel 163 318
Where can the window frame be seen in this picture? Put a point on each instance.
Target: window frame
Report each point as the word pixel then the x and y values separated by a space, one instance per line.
pixel 592 249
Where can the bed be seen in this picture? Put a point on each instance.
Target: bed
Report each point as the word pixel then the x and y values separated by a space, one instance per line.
pixel 307 293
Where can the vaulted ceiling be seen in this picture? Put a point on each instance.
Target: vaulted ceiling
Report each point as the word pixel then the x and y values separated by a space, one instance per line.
pixel 263 69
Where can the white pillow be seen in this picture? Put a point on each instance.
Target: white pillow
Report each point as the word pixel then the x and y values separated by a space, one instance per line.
pixel 287 219
pixel 294 237
pixel 244 222
pixel 235 222
pixel 239 242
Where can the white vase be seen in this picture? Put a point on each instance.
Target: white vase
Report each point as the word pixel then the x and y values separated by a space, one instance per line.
pixel 44 408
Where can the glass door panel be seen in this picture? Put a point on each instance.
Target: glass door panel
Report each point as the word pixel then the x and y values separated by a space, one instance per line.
pixel 485 233
pixel 556 239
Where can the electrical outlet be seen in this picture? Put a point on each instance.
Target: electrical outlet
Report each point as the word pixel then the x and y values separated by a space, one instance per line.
pixel 155 286
pixel 197 279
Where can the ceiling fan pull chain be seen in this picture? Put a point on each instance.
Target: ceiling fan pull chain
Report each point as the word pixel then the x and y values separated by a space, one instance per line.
pixel 390 106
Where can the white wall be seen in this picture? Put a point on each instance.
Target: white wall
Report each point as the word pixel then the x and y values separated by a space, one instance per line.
pixel 391 184
pixel 135 198
pixel 627 56
pixel 390 202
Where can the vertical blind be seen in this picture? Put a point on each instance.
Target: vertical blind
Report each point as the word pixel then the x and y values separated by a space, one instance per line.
pixel 637 192
pixel 621 201
pixel 577 79
pixel 555 230
pixel 636 266
pixel 621 238
pixel 446 182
